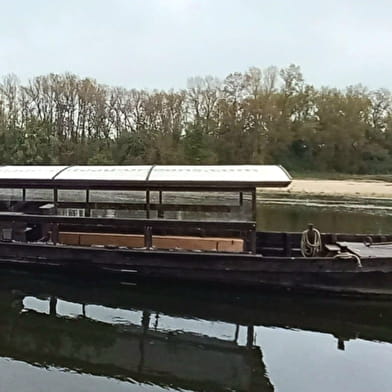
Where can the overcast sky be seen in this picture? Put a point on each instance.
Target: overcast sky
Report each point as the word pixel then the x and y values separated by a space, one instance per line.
pixel 161 43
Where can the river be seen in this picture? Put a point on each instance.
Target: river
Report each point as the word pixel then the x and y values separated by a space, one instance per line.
pixel 61 334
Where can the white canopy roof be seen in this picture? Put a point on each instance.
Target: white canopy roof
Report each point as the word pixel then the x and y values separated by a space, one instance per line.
pixel 232 173
pixel 193 176
pixel 29 172
pixel 105 173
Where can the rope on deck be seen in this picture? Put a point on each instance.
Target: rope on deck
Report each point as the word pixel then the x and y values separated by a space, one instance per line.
pixel 311 247
pixel 349 256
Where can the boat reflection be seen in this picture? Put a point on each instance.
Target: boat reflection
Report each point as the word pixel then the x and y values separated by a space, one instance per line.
pixel 161 335
pixel 50 323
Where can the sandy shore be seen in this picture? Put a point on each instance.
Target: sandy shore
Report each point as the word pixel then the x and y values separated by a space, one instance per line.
pixel 378 189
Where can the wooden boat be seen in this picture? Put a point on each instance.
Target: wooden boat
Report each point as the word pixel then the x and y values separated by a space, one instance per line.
pixel 47 224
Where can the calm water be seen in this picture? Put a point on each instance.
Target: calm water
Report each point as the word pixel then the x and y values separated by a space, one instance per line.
pixel 329 215
pixel 90 336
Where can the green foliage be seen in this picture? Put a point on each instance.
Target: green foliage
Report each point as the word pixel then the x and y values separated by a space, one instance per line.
pixel 197 146
pixel 260 116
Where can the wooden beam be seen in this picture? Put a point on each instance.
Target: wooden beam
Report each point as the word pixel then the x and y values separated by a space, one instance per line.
pixel 215 244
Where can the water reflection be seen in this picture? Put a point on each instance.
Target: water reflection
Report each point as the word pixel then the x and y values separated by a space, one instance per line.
pixel 122 333
pixel 180 337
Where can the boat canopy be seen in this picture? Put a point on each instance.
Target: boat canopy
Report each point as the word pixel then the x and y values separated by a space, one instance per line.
pixel 146 176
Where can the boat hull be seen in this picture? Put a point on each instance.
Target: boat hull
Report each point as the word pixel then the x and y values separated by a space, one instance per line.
pixel 324 275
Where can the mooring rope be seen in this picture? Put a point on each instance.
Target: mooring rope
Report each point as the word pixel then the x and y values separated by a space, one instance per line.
pixel 309 248
pixel 348 256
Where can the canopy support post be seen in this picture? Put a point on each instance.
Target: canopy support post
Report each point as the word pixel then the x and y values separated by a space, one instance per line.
pixel 87 210
pixel 160 210
pixel 55 199
pixel 254 206
pixel 148 204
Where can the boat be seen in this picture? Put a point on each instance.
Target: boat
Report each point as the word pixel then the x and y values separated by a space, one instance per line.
pixel 139 222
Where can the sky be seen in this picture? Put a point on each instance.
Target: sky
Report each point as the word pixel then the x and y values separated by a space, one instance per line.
pixel 159 44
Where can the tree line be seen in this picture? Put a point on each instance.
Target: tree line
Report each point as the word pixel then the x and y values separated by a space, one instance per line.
pixel 259 116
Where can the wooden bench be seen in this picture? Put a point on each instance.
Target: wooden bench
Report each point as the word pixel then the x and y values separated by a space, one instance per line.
pixel 215 244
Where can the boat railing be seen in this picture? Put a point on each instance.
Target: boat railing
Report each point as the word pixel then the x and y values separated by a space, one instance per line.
pixel 100 205
pixel 53 224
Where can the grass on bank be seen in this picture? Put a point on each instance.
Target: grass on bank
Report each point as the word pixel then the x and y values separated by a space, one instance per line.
pixel 339 176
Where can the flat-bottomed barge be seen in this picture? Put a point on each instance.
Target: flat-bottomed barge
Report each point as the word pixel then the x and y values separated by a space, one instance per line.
pixel 138 221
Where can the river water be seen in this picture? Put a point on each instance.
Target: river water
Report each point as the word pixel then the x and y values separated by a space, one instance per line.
pixel 62 334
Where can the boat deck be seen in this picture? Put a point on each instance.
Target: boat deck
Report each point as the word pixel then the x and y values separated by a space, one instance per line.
pixel 372 251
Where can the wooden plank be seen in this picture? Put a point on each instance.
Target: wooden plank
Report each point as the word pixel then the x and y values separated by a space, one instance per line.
pixel 128 240
pixel 230 245
pixel 194 243
pixel 161 242
pixel 69 238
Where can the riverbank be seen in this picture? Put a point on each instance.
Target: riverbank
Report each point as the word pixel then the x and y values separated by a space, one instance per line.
pixel 357 188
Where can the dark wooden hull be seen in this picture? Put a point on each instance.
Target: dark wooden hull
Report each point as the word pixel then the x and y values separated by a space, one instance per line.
pixel 324 274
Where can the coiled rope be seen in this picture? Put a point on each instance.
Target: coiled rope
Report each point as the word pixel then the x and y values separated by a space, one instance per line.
pixel 309 247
